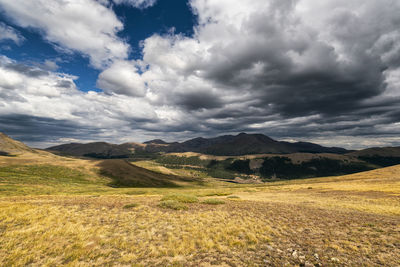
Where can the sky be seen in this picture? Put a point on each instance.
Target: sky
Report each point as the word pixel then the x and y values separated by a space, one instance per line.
pixel 134 70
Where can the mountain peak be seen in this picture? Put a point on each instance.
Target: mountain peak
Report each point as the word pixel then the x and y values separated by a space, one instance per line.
pixel 156 141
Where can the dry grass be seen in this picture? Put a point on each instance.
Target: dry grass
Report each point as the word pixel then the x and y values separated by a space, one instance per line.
pixel 99 231
pixel 351 220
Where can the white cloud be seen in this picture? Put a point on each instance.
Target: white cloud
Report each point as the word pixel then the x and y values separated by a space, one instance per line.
pixel 31 91
pixel 85 26
pixel 136 3
pixel 9 33
pixel 122 78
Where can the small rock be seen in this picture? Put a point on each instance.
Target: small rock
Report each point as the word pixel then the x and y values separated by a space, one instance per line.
pixel 295 254
pixel 302 257
pixel 270 248
pixel 316 256
pixel 308 264
pixel 279 251
pixel 335 259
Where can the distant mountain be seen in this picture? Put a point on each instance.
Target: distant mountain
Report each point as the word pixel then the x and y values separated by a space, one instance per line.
pixel 97 149
pixel 242 144
pixel 377 151
pixel 9 146
pixel 156 141
pixel 227 145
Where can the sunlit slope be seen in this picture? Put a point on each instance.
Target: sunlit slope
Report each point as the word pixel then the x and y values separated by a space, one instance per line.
pixel 9 146
pixel 376 191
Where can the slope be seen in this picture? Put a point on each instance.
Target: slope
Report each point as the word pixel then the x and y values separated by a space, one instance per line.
pixel 9 146
pixel 124 174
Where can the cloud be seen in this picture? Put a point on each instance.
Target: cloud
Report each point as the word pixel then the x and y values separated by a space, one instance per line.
pixel 52 96
pixel 289 69
pixel 122 78
pixel 9 33
pixel 141 4
pixel 84 26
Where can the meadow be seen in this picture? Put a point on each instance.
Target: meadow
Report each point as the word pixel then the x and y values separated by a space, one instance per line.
pixel 57 211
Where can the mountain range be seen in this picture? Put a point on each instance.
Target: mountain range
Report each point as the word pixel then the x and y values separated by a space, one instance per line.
pixel 227 145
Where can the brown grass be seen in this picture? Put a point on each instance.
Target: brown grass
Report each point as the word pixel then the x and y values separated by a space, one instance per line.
pixel 351 220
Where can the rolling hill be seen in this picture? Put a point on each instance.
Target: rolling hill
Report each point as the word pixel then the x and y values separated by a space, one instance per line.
pixel 9 146
pixel 22 164
pixel 124 174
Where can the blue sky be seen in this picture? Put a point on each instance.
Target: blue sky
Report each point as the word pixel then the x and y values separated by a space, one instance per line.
pixel 139 24
pixel 134 70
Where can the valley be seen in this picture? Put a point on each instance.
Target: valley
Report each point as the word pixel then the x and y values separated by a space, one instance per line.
pixel 73 211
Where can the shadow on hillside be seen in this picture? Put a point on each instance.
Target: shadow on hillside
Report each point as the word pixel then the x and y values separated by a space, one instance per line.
pixel 125 174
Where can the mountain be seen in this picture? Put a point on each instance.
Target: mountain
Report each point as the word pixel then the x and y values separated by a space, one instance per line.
pixel 9 146
pixel 226 145
pixel 97 149
pixel 242 144
pixel 156 141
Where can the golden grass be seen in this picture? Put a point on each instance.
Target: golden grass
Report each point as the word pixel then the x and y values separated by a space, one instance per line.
pixel 351 220
pixel 99 231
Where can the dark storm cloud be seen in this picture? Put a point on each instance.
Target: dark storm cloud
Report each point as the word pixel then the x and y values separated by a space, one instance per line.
pixel 198 100
pixel 31 129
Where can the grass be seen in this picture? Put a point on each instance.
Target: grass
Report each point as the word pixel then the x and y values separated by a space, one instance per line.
pixel 172 204
pixel 213 201
pixel 60 212
pixel 182 198
pixel 131 205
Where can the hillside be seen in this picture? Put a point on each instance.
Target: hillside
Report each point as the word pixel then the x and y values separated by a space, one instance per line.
pixel 9 146
pixel 334 221
pixel 42 170
pixel 124 174
pixel 97 149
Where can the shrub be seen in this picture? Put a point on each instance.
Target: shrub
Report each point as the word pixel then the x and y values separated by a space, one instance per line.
pixel 235 197
pixel 213 201
pixel 172 204
pixel 209 194
pixel 135 193
pixel 132 205
pixel 181 198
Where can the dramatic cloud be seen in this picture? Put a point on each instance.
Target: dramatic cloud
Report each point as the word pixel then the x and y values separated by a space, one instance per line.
pixel 305 69
pixel 85 26
pixel 9 33
pixel 292 59
pixel 50 96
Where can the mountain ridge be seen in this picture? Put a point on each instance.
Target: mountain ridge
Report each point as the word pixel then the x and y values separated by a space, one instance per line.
pixel 225 145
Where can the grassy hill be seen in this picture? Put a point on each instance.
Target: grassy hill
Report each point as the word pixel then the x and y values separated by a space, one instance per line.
pixel 61 214
pixel 58 211
pixel 124 174
pixel 9 146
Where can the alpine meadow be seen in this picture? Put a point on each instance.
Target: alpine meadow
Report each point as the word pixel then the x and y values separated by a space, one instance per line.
pixel 200 133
